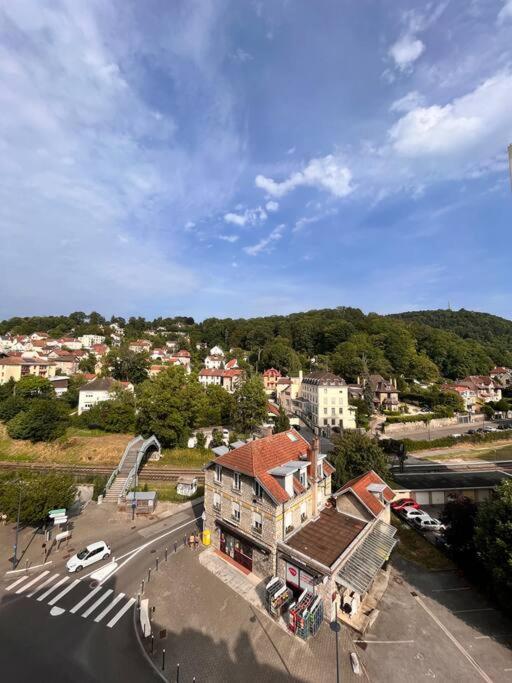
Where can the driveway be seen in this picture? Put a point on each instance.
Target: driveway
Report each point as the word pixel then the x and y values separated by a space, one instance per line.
pixel 435 625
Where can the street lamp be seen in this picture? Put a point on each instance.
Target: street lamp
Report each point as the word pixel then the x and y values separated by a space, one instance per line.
pixel 14 557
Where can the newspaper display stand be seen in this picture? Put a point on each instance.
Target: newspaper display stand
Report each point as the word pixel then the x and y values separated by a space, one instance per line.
pixel 306 615
pixel 277 597
pixel 315 616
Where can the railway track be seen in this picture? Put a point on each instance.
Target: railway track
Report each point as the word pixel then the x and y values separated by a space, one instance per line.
pixel 146 474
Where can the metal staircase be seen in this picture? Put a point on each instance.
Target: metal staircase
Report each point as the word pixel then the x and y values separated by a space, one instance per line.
pixel 122 477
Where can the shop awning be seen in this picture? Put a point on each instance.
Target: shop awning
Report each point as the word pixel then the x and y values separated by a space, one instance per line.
pixel 235 531
pixel 363 564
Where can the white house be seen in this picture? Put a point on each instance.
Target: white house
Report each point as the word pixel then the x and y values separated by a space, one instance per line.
pixel 98 390
pixel 216 351
pixel 88 340
pixel 70 343
pixel 214 362
pixel 227 379
pixel 323 402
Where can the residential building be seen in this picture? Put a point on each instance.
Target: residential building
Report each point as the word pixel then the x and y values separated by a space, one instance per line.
pixel 214 362
pixel 323 402
pixel 183 358
pixel 140 345
pixel 99 349
pixel 270 377
pixel 64 361
pixel 467 394
pixel 486 389
pixel 70 343
pixel 287 391
pixel 16 367
pixel 216 351
pixel 385 394
pixel 159 353
pixel 38 336
pixel 228 379
pixel 98 390
pixel 60 384
pixel 231 364
pixel 502 375
pixel 269 507
pixel 88 340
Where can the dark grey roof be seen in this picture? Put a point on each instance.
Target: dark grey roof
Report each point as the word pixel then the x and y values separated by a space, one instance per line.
pixel 220 450
pixel 99 384
pixel 324 377
pixel 449 480
pixel 363 564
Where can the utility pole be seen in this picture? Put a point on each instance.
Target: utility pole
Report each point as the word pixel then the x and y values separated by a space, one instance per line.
pixel 15 555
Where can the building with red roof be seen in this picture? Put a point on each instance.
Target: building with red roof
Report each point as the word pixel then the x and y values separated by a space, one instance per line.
pixel 227 379
pixel 270 377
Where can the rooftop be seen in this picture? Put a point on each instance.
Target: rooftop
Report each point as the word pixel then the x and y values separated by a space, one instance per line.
pixel 360 486
pixel 326 538
pixel 449 480
pixel 323 377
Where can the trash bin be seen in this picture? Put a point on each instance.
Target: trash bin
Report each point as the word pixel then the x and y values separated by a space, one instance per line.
pixel 206 537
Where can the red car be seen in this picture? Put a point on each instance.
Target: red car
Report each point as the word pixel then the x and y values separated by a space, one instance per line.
pixel 398 505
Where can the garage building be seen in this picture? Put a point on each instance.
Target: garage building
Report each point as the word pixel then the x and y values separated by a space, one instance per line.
pixel 436 488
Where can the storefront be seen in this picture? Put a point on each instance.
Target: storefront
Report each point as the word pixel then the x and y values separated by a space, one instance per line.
pixel 240 547
pixel 298 580
pixel 236 549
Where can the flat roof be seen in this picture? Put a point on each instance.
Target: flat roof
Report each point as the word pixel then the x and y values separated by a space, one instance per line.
pixel 449 480
pixel 326 538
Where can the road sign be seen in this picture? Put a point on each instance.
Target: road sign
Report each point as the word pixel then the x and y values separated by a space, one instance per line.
pixel 63 536
pixel 57 513
pixel 60 520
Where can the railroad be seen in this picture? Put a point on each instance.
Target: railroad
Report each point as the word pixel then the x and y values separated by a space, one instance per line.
pixel 456 467
pixel 147 473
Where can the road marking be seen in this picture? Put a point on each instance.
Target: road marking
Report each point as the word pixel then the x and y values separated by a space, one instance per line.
pixel 478 609
pixel 63 593
pixel 454 640
pixel 133 553
pixel 46 583
pixel 18 581
pixel 382 642
pixel 496 635
pixel 98 602
pixel 82 602
pixel 118 616
pixel 442 590
pixel 50 590
pixel 109 607
pixel 31 583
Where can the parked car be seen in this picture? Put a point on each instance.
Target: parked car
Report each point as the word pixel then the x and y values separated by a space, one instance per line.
pixel 410 513
pixel 489 428
pixel 93 553
pixel 398 505
pixel 430 524
pixel 471 431
pixel 457 435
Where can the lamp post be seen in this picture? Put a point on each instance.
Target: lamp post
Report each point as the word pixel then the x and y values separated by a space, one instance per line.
pixel 14 557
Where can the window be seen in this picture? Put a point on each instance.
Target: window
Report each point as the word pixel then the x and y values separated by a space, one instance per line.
pixel 258 491
pixel 333 421
pixel 319 471
pixel 257 522
pixel 236 481
pixel 325 421
pixel 236 512
pixel 303 512
pixel 218 474
pixel 288 526
pixel 325 411
pixel 303 478
pixel 333 411
pixel 216 501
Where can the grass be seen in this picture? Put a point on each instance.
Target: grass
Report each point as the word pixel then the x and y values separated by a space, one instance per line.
pixel 167 491
pixel 489 454
pixel 414 548
pixel 77 446
pixel 184 457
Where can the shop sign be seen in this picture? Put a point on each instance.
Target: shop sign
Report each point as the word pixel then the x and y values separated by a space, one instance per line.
pixel 299 578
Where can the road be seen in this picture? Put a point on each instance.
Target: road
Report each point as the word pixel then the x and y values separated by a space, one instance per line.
pixel 429 435
pixel 61 627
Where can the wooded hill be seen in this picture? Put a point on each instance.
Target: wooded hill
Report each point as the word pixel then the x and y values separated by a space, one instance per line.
pixel 423 345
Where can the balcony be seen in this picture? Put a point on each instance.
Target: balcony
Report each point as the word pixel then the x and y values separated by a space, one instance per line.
pixel 257 529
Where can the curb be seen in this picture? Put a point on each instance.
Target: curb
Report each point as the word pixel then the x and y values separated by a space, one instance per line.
pixel 28 569
pixel 141 645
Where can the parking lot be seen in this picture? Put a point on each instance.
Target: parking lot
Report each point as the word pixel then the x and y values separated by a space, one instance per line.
pixel 435 625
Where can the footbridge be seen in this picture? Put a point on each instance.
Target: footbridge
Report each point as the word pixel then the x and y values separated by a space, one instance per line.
pixel 138 451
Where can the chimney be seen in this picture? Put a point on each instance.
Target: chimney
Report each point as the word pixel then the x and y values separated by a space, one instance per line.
pixel 313 458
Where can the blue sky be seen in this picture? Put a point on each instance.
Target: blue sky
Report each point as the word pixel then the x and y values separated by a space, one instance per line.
pixel 248 158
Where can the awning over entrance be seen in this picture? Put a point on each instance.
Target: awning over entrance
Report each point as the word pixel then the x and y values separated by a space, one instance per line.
pixel 235 531
pixel 361 567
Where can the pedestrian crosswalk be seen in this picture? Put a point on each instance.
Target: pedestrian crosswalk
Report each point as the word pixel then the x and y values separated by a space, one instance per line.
pixel 45 588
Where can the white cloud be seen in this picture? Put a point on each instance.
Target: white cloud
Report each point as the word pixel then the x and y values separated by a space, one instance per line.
pixel 247 217
pixel 190 225
pixel 326 173
pixel 307 220
pixel 410 101
pixel 406 50
pixel 267 243
pixel 477 122
pixel 229 238
pixel 505 12
pixel 272 206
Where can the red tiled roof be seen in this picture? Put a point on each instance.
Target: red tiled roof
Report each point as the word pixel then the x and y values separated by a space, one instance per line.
pixel 231 363
pixel 257 457
pixel 271 372
pixel 183 354
pixel 328 468
pixel 213 372
pixel 297 486
pixel 271 408
pixel 359 486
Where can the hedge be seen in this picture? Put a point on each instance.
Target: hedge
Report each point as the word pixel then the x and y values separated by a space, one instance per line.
pixel 409 418
pixel 447 441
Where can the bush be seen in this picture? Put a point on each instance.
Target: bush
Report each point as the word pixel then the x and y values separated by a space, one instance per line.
pixel 11 407
pixel 40 493
pixel 99 482
pixel 394 419
pixel 447 441
pixel 43 420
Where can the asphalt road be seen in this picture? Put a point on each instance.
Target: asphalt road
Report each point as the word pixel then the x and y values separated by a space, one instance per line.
pixel 75 637
pixel 428 435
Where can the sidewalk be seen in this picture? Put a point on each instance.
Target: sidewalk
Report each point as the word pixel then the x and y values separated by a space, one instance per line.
pixel 219 636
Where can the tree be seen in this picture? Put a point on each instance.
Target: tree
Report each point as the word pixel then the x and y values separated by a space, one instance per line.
pixel 10 407
pixel 40 493
pixel 34 387
pixel 117 415
pixel 126 365
pixel 220 405
pixel 200 440
pixel 250 404
pixel 87 363
pixel 282 423
pixel 354 454
pixel 278 354
pixel 459 517
pixel 217 439
pixel 43 420
pixel 74 384
pixel 493 538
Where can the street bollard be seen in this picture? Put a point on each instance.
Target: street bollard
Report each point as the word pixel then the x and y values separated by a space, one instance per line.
pixel 166 554
pixel 157 564
pixel 149 575
pixel 142 587
pixel 175 546
pixel 152 644
pixel 138 600
pixel 163 659
pixel 177 673
pixel 184 541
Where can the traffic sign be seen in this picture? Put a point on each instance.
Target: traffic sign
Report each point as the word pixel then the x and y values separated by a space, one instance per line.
pixel 60 520
pixel 57 513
